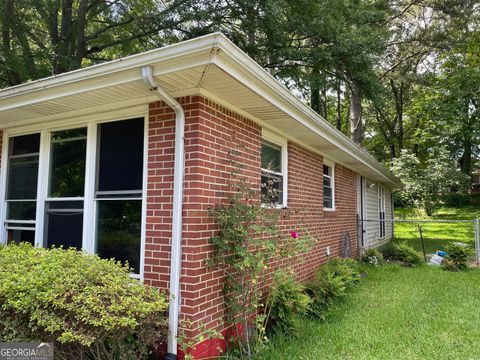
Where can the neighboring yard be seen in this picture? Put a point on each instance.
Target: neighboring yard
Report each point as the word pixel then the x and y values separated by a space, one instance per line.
pixel 395 313
pixel 436 235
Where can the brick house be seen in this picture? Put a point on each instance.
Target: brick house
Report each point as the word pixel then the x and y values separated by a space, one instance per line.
pixel 123 159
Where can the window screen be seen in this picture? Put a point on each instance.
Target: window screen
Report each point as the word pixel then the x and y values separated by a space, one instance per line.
pixel 271 156
pixel 271 176
pixel 67 163
pixel 22 178
pixel 25 144
pixel 21 210
pixel 328 187
pixel 121 155
pixel 23 167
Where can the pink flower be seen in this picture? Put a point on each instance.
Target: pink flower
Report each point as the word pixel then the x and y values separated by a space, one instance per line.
pixel 293 234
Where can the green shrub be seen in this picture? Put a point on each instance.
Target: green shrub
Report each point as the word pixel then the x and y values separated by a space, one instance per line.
pixel 457 199
pixel 286 301
pixel 457 257
pixel 372 257
pixel 89 307
pixel 401 252
pixel 329 282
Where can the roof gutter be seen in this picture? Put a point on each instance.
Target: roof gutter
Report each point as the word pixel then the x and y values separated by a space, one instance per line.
pixel 178 175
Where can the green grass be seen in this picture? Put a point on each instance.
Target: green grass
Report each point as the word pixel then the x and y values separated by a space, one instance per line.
pixel 395 313
pixel 437 235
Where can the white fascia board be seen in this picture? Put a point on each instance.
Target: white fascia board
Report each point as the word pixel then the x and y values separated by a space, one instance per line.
pixel 182 49
pixel 235 62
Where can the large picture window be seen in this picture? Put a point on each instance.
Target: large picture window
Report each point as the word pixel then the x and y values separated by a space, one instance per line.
pixel 273 172
pixel 78 188
pixel 328 186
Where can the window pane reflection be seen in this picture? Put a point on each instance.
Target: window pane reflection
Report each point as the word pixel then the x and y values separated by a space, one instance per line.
pixel 118 231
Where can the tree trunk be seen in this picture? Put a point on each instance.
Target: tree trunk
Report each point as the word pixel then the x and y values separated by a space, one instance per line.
pixel 13 76
pixel 64 47
pixel 324 103
pixel 398 98
pixel 315 98
pixel 356 124
pixel 339 106
pixel 80 41
pixel 466 160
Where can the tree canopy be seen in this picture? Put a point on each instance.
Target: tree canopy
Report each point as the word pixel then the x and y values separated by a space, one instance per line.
pixel 393 75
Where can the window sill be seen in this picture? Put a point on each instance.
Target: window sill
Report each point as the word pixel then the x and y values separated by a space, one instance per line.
pixel 329 209
pixel 277 207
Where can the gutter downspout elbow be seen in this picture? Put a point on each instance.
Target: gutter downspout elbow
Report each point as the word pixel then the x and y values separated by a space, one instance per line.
pixel 178 176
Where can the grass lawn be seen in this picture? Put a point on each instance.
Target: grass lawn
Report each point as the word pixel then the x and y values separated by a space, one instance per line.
pixel 395 313
pixel 436 235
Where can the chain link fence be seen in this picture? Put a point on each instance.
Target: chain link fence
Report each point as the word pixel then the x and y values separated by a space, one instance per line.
pixel 425 235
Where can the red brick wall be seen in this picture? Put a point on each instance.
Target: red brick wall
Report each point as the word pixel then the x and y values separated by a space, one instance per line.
pixel 210 129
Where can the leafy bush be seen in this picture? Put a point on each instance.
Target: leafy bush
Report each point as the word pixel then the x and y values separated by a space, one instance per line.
pixel 457 199
pixel 89 307
pixel 457 257
pixel 329 282
pixel 372 257
pixel 401 252
pixel 286 302
pixel 427 182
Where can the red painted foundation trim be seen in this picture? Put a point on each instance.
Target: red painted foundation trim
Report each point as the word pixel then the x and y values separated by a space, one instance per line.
pixel 212 348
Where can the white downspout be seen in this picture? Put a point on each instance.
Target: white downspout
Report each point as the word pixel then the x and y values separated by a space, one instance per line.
pixel 178 174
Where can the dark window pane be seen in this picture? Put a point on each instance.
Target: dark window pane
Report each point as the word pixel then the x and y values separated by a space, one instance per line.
pixel 327 181
pixel 21 210
pixel 327 192
pixel 271 190
pixel 22 178
pixel 26 144
pixel 271 156
pixel 18 236
pixel 121 155
pixel 327 202
pixel 67 172
pixel 118 231
pixel 64 224
pixel 63 205
pixel 326 170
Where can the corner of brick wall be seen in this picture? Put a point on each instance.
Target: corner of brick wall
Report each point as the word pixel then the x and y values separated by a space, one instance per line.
pixel 211 131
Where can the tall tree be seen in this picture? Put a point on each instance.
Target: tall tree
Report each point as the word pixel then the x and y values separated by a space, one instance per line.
pixel 41 37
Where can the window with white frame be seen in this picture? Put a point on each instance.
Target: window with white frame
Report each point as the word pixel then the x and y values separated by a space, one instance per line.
pixel 119 190
pixel 381 211
pixel 49 207
pixel 328 186
pixel 66 185
pixel 273 171
pixel 21 188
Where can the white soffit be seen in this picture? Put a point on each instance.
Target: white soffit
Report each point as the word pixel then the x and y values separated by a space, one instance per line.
pixel 231 91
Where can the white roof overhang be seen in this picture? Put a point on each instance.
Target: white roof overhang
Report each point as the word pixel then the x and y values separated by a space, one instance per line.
pixel 211 66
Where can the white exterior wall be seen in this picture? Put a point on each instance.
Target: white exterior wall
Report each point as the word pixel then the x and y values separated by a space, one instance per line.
pixel 372 228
